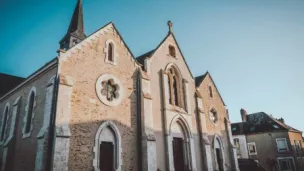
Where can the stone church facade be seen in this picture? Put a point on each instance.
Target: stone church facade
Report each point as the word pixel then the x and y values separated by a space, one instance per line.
pixel 97 107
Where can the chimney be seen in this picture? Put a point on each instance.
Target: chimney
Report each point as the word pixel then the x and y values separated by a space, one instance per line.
pixel 243 115
pixel 281 120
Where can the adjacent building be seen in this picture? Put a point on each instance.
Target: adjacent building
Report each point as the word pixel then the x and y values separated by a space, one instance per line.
pixel 97 107
pixel 269 141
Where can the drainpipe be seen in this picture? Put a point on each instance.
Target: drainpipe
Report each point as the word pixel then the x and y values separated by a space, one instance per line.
pixel 139 119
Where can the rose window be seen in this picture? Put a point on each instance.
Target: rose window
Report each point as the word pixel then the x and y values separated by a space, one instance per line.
pixel 109 89
pixel 213 116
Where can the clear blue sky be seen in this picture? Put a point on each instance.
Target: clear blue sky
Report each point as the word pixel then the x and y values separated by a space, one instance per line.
pixel 253 49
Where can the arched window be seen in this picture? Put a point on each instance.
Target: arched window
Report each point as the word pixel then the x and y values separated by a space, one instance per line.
pixel 210 91
pixel 110 52
pixel 172 51
pixel 174 87
pixel 4 121
pixel 30 113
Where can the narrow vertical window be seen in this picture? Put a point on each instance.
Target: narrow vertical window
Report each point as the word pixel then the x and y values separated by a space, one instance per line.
pixel 30 113
pixel 175 90
pixel 172 51
pixel 110 52
pixel 210 92
pixel 4 122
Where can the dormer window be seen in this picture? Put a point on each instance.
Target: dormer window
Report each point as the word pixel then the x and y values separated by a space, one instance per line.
pixel 210 92
pixel 172 51
pixel 110 52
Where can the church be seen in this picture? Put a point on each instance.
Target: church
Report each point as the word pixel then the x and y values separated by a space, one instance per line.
pixel 97 107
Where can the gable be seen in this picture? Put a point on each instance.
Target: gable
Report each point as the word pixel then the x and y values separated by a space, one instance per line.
pixel 206 81
pixel 91 39
pixel 163 49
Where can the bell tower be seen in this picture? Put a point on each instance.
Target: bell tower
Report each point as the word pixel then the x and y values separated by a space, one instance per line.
pixel 75 33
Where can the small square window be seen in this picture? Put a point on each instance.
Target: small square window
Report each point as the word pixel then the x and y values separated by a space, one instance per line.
pixel 282 145
pixel 172 51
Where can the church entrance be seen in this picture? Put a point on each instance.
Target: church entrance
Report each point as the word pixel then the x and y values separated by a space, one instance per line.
pixel 219 159
pixel 178 154
pixel 106 158
pixel 218 153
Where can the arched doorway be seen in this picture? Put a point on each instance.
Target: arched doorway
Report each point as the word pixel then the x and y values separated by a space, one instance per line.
pixel 180 144
pixel 218 153
pixel 107 149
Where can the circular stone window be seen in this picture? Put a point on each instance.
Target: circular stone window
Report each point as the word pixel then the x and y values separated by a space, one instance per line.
pixel 109 90
pixel 213 116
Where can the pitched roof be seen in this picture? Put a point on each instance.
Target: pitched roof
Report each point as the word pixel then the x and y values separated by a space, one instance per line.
pixel 200 79
pixel 258 123
pixel 76 27
pixel 149 54
pixel 8 82
pixel 141 58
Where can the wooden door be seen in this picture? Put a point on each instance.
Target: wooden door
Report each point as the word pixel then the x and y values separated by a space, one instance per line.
pixel 178 154
pixel 106 159
pixel 219 159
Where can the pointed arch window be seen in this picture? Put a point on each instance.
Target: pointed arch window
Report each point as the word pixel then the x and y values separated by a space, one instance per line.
pixel 172 51
pixel 29 113
pixel 110 52
pixel 4 122
pixel 175 88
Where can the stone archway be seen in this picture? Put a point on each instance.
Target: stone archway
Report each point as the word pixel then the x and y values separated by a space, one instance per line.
pixel 180 145
pixel 219 156
pixel 107 144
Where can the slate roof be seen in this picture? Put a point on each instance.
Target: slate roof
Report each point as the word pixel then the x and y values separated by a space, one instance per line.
pixel 141 58
pixel 76 27
pixel 258 123
pixel 8 82
pixel 199 79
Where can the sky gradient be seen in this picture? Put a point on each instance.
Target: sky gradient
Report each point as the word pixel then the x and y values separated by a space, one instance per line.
pixel 253 49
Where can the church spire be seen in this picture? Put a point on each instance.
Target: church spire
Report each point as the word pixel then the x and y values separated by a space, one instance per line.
pixel 75 32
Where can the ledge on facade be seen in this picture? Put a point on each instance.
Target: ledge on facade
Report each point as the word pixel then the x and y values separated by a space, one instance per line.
pixel 147 96
pixel 149 137
pixel 66 80
pixel 206 140
pixel 63 131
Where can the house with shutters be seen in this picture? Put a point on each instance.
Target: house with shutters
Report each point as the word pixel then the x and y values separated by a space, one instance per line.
pixel 96 106
pixel 270 141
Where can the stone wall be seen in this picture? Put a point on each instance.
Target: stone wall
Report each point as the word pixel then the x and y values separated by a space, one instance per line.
pixel 21 152
pixel 83 65
pixel 165 114
pixel 217 128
